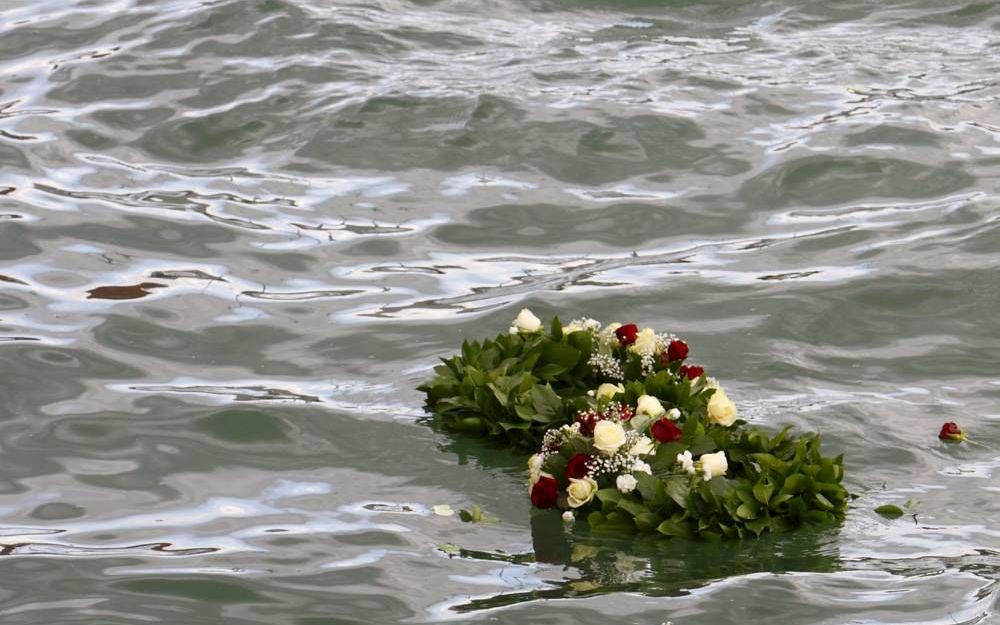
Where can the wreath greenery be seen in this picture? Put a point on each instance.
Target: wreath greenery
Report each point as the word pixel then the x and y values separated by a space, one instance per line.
pixel 631 435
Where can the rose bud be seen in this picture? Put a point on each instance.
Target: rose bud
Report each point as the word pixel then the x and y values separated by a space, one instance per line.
pixel 693 372
pixel 665 431
pixel 627 333
pixel 951 432
pixel 576 468
pixel 545 492
pixel 677 350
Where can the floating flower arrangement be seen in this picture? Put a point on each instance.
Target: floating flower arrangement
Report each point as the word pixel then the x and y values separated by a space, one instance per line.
pixel 630 435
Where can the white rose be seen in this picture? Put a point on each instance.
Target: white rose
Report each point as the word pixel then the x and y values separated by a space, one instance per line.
pixel 568 516
pixel 674 414
pixel 608 436
pixel 581 491
pixel 626 482
pixel 641 467
pixel 721 409
pixel 643 446
pixel 645 342
pixel 713 465
pixel 686 462
pixel 526 322
pixel 608 390
pixel 651 406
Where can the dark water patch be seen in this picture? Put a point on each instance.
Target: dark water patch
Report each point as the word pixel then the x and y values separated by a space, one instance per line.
pixel 16 242
pixel 889 134
pixel 206 591
pixel 57 510
pixel 827 180
pixel 240 346
pixel 174 238
pixel 243 426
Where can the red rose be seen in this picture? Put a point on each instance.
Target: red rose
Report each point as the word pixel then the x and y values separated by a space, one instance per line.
pixel 951 432
pixel 576 468
pixel 587 420
pixel 545 492
pixel 626 333
pixel 677 350
pixel 693 372
pixel 665 431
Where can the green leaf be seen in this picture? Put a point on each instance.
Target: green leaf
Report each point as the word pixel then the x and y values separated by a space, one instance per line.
pixel 650 488
pixel 762 491
pixel 747 511
pixel 546 402
pixel 797 483
pixel 633 508
pixel 678 489
pixel 679 529
pixel 559 354
pixel 476 515
pixel 609 495
pixel 555 329
pixel 701 444
pixel 890 511
pixel 647 521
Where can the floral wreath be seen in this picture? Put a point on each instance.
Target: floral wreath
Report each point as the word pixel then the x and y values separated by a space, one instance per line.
pixel 631 435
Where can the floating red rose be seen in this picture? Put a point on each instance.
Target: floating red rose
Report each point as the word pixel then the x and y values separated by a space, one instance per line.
pixel 627 333
pixel 951 432
pixel 545 492
pixel 693 372
pixel 677 350
pixel 576 468
pixel 665 431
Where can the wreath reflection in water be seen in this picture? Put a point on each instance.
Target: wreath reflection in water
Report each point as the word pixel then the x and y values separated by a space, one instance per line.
pixel 630 435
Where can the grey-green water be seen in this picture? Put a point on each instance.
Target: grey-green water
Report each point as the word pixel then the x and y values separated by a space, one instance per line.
pixel 235 235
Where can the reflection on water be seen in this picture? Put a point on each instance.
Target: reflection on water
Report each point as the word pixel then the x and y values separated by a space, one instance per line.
pixel 235 236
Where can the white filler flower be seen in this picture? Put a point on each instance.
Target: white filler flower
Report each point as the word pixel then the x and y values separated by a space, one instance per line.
pixel 686 461
pixel 626 483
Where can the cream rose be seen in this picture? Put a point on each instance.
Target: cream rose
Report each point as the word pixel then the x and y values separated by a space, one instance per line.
pixel 721 409
pixel 608 436
pixel 686 462
pixel 713 465
pixel 608 390
pixel 574 326
pixel 643 446
pixel 649 405
pixel 626 482
pixel 645 342
pixel 581 491
pixel 526 322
